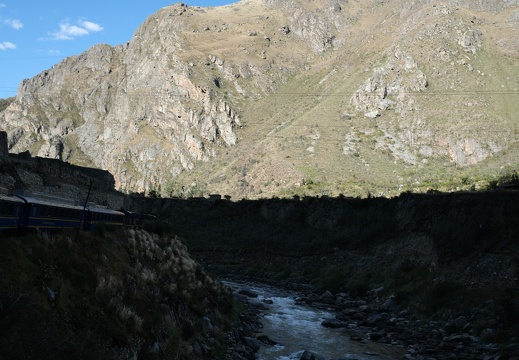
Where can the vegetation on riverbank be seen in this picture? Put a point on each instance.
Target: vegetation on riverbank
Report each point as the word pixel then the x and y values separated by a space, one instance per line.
pixel 109 294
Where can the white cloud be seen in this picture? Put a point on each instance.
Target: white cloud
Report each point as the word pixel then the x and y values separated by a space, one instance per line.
pixel 14 23
pixel 90 26
pixel 69 32
pixel 2 5
pixel 7 45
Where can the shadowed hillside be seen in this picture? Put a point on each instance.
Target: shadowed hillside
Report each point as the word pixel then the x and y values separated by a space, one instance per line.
pixel 441 255
pixel 108 295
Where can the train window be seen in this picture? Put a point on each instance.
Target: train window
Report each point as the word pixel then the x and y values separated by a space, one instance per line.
pixel 3 208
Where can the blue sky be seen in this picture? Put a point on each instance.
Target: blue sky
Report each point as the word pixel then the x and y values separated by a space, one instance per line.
pixel 34 35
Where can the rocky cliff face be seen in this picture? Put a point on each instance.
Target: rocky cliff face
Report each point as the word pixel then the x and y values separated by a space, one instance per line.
pixel 132 109
pixel 237 85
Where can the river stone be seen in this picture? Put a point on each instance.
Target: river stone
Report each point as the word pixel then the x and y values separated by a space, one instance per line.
pixel 456 324
pixel 389 304
pixel 377 318
pixel 327 298
pixel 333 323
pixel 253 343
pixel 375 336
pixel 243 352
pixel 348 312
pixel 356 337
pixel 266 340
pixel 248 293
pixel 308 355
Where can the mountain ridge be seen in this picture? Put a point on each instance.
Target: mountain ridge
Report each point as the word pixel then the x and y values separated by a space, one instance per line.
pixel 271 98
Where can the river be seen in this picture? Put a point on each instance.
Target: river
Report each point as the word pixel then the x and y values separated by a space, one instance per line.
pixel 297 328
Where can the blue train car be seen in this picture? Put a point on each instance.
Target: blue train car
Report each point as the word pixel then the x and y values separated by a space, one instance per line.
pixel 46 214
pixel 97 215
pixel 133 219
pixel 11 212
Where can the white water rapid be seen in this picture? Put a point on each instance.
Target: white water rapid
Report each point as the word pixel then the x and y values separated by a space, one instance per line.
pixel 297 328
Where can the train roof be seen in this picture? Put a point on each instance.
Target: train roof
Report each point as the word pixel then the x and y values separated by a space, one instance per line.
pixel 33 200
pixel 10 198
pixel 104 210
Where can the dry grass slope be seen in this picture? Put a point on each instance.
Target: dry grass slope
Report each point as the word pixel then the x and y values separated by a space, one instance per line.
pixel 328 97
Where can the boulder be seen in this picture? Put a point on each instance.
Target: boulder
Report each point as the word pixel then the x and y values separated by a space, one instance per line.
pixel 333 323
pixel 248 293
pixel 327 298
pixel 252 343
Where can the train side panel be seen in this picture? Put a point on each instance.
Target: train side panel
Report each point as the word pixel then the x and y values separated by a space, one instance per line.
pixel 133 219
pixel 11 212
pixel 26 211
pixel 51 215
pixel 97 216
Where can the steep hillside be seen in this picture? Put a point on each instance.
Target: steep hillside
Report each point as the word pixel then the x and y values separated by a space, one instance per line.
pixel 267 97
pixel 108 295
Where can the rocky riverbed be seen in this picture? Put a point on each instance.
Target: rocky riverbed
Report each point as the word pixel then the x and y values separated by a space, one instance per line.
pixel 376 319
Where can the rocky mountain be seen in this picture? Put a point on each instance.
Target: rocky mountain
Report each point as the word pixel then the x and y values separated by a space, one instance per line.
pixel 269 97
